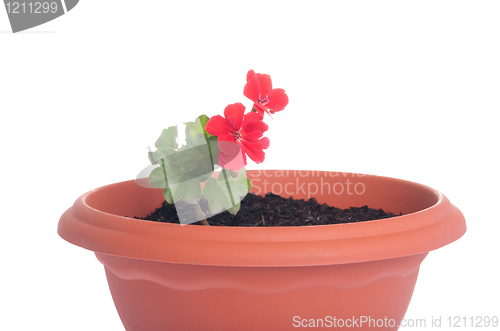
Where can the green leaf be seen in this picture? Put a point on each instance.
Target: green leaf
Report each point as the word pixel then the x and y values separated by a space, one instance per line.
pixel 157 178
pixel 165 154
pixel 168 138
pixel 167 194
pixel 213 148
pixel 203 121
pixel 189 190
pixel 217 197
pixel 222 193
pixel 235 209
pixel 232 173
pixel 185 184
pixel 238 186
pixel 194 158
pixel 153 157
pixel 182 170
pixel 187 157
pixel 195 131
pixel 177 183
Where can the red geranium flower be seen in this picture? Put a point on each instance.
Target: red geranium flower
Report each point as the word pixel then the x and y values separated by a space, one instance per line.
pixel 238 135
pixel 259 89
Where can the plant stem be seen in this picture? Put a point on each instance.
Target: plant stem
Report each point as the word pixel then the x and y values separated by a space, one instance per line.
pixel 210 154
pixel 228 187
pixel 200 214
pixel 164 173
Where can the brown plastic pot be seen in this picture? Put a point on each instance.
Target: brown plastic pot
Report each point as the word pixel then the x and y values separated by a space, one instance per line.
pixel 172 277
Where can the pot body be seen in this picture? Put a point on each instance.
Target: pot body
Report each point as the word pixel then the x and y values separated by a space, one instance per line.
pixel 173 277
pixel 159 296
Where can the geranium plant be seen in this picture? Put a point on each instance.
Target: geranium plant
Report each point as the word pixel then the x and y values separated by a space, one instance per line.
pixel 222 142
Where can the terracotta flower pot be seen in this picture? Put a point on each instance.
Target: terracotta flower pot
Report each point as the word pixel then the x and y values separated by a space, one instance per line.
pixel 172 277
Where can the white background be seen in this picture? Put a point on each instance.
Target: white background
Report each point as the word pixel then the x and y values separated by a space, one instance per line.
pixel 406 89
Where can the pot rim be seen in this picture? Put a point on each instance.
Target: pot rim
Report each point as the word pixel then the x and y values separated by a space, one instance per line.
pixel 417 232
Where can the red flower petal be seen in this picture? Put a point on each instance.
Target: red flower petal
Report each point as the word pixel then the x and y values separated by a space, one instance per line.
pixel 253 136
pixel 253 117
pixel 234 115
pixel 227 145
pixel 278 100
pixel 250 74
pixel 232 162
pixel 252 89
pixel 217 125
pixel 260 109
pixel 231 155
pixel 266 84
pixel 254 150
pixel 253 122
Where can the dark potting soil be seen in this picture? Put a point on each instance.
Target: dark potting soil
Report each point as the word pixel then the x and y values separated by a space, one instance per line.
pixel 272 210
